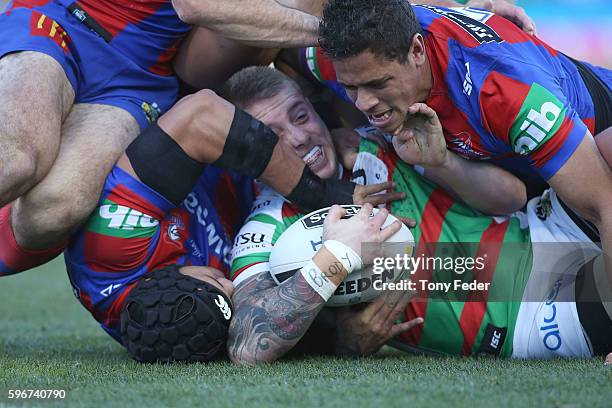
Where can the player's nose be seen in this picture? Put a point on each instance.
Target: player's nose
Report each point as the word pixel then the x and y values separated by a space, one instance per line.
pixel 365 100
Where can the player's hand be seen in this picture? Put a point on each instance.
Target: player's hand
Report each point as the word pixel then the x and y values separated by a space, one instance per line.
pixel 420 139
pixel 365 331
pixel 346 143
pixel 359 229
pixel 376 194
pixel 509 11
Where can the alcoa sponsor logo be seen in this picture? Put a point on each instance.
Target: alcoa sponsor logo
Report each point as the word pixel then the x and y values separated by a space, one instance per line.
pixel 552 337
pixel 223 307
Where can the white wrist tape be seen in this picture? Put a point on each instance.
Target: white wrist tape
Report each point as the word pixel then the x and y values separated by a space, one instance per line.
pixel 345 254
pixel 317 280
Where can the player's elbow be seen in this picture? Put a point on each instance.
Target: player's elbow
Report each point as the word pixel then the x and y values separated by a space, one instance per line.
pixel 241 355
pixel 509 198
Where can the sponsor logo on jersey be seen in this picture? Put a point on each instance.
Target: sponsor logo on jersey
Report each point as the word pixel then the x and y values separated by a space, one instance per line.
pixel 318 218
pixel 492 340
pixel 223 307
pixel 552 336
pixel 544 207
pixel 43 26
pixel 260 205
pixel 151 111
pixel 216 242
pixel 106 292
pixel 463 147
pixel 538 119
pixel 250 238
pixel 467 82
pixel 472 21
pixel 120 221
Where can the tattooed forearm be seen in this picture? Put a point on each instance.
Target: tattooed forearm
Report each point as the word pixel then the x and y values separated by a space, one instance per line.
pixel 269 319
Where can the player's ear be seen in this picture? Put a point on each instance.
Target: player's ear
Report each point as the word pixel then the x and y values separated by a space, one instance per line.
pixel 417 50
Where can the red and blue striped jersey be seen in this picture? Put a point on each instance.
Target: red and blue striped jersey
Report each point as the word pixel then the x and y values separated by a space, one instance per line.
pixel 134 230
pixel 146 31
pixel 500 94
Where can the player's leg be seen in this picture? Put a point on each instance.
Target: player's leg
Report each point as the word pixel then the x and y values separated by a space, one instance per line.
pixel 35 96
pixel 93 137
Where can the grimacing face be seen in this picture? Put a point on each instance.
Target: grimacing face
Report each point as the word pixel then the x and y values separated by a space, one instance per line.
pixel 291 116
pixel 384 89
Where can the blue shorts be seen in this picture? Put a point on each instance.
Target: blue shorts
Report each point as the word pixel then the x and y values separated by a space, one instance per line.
pixel 98 73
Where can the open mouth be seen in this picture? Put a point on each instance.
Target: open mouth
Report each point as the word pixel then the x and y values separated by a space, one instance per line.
pixel 314 157
pixel 380 119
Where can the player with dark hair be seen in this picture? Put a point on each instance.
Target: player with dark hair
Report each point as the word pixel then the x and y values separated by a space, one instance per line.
pixel 501 95
pixel 270 319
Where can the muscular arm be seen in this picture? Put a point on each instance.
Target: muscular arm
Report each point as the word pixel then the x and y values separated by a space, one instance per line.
pixel 200 124
pixel 261 23
pixel 269 319
pixel 585 184
pixel 483 186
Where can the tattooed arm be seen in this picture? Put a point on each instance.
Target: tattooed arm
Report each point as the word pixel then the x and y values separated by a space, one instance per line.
pixel 269 319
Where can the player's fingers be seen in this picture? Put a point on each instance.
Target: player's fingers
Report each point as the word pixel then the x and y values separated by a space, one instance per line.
pixel 379 218
pixel 409 222
pixel 366 210
pixel 379 199
pixel 388 231
pixel 401 300
pixel 402 327
pixel 378 187
pixel 525 21
pixel 334 215
pixel 372 310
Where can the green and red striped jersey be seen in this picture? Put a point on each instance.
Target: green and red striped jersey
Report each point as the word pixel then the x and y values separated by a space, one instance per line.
pixel 455 325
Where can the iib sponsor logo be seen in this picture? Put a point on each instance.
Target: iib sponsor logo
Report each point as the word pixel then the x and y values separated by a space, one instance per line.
pixel 120 221
pixel 539 118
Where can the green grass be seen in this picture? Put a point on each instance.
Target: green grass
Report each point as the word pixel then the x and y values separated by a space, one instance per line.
pixel 48 340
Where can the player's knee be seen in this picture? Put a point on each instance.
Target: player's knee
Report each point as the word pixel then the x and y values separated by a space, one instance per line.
pixel 45 217
pixel 19 170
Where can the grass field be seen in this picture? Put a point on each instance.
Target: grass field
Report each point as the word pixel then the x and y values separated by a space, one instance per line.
pixel 48 341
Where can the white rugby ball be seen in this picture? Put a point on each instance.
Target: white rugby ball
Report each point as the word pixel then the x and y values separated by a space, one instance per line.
pixel 298 244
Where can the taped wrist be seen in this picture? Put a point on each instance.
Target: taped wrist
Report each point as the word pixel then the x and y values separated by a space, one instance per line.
pixel 312 193
pixel 248 147
pixel 163 165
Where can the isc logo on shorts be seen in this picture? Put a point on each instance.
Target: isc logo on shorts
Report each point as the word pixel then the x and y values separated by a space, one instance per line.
pixel 539 118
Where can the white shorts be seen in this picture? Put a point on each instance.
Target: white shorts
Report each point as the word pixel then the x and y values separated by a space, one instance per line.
pixel 547 325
